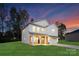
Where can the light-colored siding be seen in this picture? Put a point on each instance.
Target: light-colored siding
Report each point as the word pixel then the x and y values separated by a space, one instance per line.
pixel 25 35
pixel 47 30
pixel 52 40
pixel 40 32
pixel 50 32
pixel 42 23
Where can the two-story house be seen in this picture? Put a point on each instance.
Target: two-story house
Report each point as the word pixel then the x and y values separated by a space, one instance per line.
pixel 40 33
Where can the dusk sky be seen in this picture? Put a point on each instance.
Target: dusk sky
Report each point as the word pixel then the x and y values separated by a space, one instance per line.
pixel 66 13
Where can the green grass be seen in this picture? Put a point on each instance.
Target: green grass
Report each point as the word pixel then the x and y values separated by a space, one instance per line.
pixel 20 49
pixel 68 42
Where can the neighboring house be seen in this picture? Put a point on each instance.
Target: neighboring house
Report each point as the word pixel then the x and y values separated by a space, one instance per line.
pixel 72 35
pixel 40 33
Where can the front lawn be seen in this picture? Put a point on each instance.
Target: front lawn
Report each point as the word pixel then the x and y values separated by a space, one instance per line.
pixel 20 49
pixel 68 42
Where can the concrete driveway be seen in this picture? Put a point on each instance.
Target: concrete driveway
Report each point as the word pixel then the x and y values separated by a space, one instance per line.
pixel 67 46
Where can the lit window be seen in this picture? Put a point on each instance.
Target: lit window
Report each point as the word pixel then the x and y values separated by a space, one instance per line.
pixel 43 29
pixel 53 30
pixel 34 28
pixel 38 29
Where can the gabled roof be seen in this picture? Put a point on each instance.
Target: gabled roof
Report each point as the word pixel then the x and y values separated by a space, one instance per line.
pixel 70 30
pixel 41 23
pixel 75 31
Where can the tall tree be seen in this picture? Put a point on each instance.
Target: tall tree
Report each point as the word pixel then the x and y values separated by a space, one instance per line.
pixel 24 16
pixel 13 15
pixel 1 20
pixel 61 30
pixel 19 18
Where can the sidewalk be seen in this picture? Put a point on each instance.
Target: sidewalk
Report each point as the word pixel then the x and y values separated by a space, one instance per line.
pixel 67 46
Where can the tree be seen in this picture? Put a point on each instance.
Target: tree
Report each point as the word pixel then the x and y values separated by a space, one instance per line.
pixel 24 16
pixel 8 28
pixel 13 15
pixel 18 18
pixel 61 30
pixel 2 20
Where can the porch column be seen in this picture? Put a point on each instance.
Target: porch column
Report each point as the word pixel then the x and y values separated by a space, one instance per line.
pixel 46 39
pixel 40 38
pixel 30 40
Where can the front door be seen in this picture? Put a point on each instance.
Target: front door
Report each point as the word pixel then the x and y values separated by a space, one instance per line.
pixel 38 39
pixel 42 38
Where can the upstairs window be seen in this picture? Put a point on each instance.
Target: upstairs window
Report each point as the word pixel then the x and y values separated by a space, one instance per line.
pixel 34 28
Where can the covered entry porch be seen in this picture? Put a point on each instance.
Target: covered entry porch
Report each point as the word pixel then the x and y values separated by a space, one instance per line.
pixel 41 39
pixel 38 39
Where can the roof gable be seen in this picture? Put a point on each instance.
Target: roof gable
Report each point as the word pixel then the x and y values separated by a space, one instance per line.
pixel 42 23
